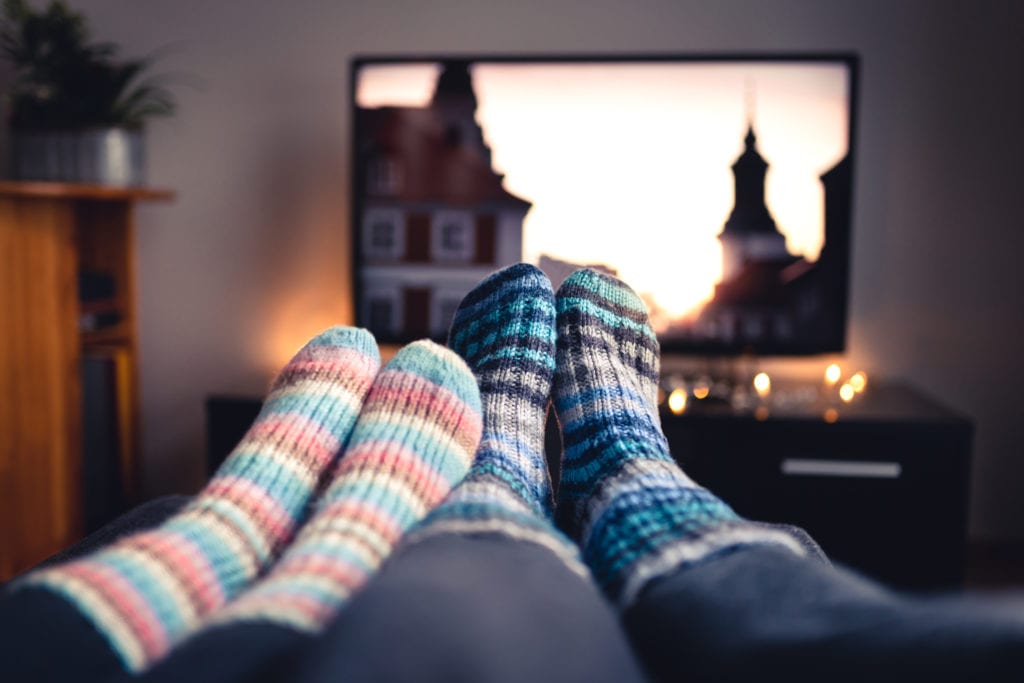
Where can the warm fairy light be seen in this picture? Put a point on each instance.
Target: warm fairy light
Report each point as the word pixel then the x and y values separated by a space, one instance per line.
pixel 858 381
pixel 677 401
pixel 762 384
pixel 832 374
pixel 831 415
pixel 761 413
pixel 701 391
pixel 847 392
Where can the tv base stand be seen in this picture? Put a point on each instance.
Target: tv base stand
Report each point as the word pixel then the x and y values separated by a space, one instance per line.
pixel 881 483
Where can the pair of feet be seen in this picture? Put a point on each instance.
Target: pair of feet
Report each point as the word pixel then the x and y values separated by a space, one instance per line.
pixel 378 449
pixel 590 349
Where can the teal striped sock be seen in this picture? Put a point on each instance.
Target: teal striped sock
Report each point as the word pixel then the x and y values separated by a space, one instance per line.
pixel 505 330
pixel 635 513
pixel 414 440
pixel 149 590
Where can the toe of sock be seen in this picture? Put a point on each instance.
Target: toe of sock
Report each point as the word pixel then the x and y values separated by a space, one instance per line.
pixel 604 289
pixel 342 337
pixel 514 306
pixel 521 275
pixel 439 366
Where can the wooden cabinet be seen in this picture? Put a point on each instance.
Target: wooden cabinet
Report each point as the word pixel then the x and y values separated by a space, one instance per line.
pixel 50 234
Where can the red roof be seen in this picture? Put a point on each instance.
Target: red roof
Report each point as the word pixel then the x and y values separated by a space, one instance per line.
pixel 432 168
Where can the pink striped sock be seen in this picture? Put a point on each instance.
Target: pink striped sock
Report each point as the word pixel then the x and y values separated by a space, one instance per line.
pixel 414 440
pixel 149 590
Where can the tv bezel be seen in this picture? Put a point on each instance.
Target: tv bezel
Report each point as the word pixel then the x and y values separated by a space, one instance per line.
pixel 850 60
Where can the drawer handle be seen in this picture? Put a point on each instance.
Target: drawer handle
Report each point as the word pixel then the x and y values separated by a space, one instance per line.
pixel 796 467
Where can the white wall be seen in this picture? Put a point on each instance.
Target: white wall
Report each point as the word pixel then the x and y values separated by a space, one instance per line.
pixel 252 258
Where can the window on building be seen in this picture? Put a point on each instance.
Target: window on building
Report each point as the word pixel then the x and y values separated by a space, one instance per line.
pixel 383 233
pixel 753 328
pixel 783 328
pixel 453 236
pixel 384 176
pixel 382 236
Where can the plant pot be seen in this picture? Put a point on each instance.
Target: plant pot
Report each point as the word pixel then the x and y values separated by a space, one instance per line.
pixel 106 156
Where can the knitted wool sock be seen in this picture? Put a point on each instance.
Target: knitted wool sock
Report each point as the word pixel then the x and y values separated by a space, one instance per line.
pixel 505 330
pixel 146 592
pixel 635 513
pixel 414 440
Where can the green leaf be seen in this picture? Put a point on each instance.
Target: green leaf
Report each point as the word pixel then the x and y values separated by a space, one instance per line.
pixel 64 80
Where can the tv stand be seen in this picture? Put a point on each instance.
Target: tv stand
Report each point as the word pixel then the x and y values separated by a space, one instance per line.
pixel 881 483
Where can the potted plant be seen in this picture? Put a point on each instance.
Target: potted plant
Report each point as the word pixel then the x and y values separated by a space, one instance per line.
pixel 77 111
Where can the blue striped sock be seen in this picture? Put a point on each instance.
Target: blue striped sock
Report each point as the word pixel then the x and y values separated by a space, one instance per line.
pixel 505 331
pixel 635 513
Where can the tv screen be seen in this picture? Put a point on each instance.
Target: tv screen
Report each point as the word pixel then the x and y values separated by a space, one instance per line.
pixel 718 187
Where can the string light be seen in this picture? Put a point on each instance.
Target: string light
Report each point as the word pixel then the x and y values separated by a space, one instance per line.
pixel 832 374
pixel 858 381
pixel 677 401
pixel 847 392
pixel 762 384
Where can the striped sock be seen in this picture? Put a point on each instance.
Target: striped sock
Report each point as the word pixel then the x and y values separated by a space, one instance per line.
pixel 635 513
pixel 414 440
pixel 149 590
pixel 505 330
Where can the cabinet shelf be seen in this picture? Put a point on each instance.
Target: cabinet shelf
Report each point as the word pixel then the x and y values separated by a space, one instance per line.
pixel 101 306
pixel 51 190
pixel 113 335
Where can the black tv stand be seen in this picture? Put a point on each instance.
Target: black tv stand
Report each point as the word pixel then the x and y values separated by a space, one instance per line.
pixel 881 483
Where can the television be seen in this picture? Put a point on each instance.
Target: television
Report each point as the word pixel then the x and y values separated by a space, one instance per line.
pixel 718 186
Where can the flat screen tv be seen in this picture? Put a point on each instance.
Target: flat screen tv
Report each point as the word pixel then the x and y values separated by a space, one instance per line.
pixel 718 186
